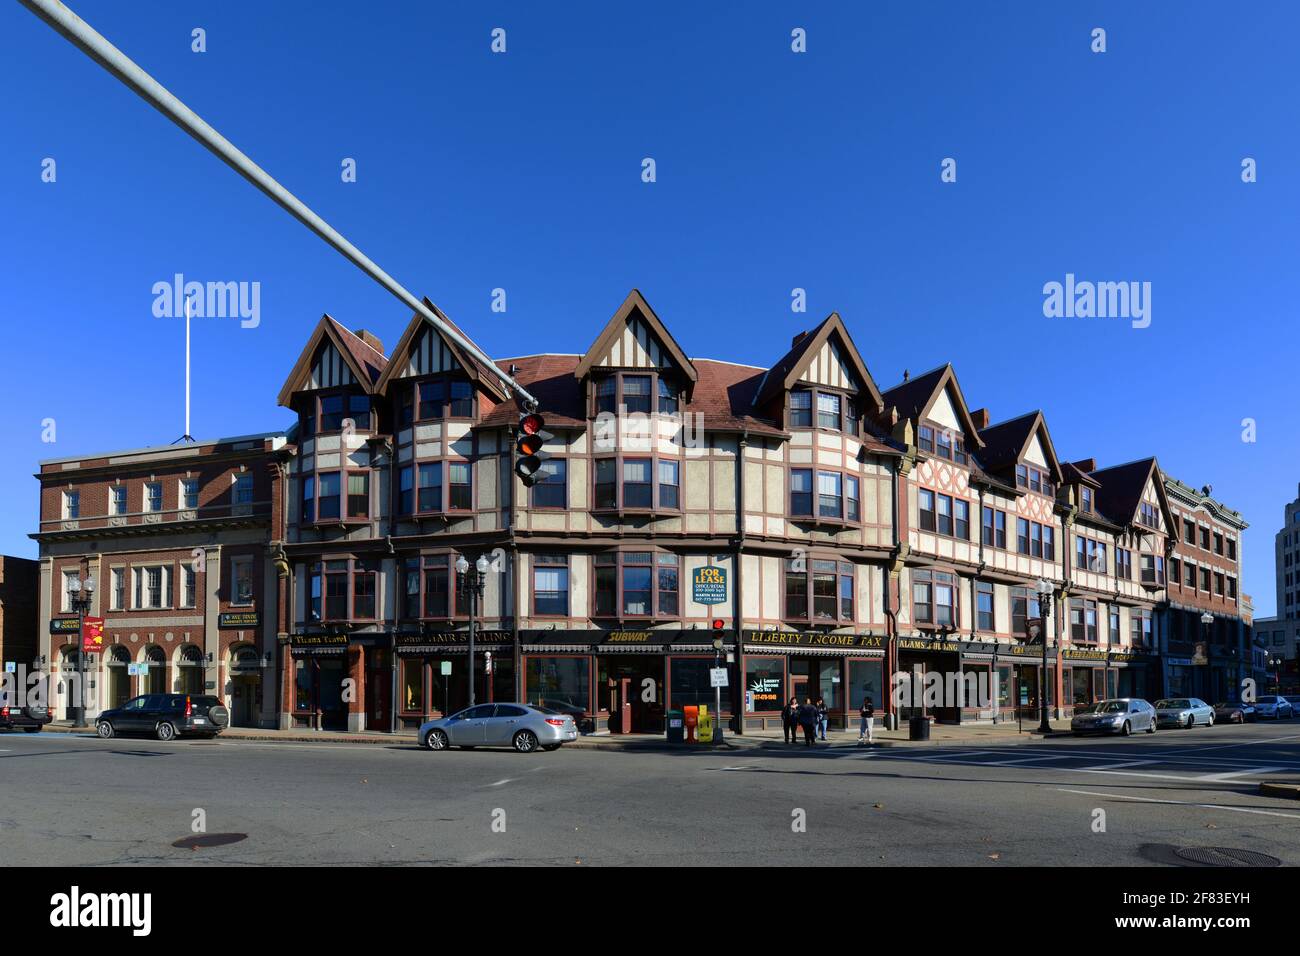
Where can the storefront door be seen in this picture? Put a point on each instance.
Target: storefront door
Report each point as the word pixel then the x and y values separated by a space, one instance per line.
pixel 379 689
pixel 636 681
pixel 333 709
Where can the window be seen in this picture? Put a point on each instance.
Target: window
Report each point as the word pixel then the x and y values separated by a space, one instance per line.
pixel 800 409
pixel 153 496
pixel 934 598
pixel 1190 576
pixel 1024 607
pixel 1205 538
pixel 241 576
pixel 1089 555
pixel 308 499
pixel 636 394
pixel 1085 499
pixel 829 494
pixel 551 585
pixel 1123 564
pixel 995 528
pixel 358 495
pixel 405 489
pixel 1147 515
pixel 1218 543
pixel 1083 621
pixel 1218 584
pixel 1189 531
pixel 406 409
pixel 365 575
pixel 460 494
pixel 462 400
pixel 117 589
pixel 1232 550
pixel 606 485
pixel 327 506
pixel 669 483
pixel 637 584
pixel 1022 476
pixel 829 411
pixel 336 590
pixel 800 492
pixel 428 587
pixel 189 493
pixel 1049 543
pixel 67 590
pixel 851 497
pixel 433 398
pixel 1153 568
pixel 551 490
pixel 1232 587
pixel 1205 580
pixel 669 397
pixel 637 488
pixel 1114 635
pixel 152 587
pixel 1022 536
pixel 1140 627
pixel 349 588
pixel 925 438
pixel 72 504
pixel 331 413
pixel 828 590
pixel 607 395
pixel 925 499
pixel 984 606
pixel 243 490
pixel 117 500
pixel 187 585
pixel 430 494
pixel 1034 539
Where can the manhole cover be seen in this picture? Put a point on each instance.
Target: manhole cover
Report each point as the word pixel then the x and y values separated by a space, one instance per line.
pixel 1225 856
pixel 201 840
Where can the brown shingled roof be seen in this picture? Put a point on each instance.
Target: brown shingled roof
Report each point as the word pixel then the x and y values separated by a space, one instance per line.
pixel 367 357
pixel 1122 487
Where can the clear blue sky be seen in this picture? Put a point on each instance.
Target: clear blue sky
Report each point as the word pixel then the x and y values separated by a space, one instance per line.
pixel 775 171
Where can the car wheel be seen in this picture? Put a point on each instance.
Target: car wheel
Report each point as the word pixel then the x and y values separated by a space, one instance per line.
pixel 436 739
pixel 1152 728
pixel 549 747
pixel 1191 721
pixel 1126 730
pixel 166 730
pixel 1238 718
pixel 1211 721
pixel 525 741
pixel 105 729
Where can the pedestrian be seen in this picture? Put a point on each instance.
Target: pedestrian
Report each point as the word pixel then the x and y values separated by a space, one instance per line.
pixel 790 720
pixel 823 719
pixel 808 721
pixel 868 714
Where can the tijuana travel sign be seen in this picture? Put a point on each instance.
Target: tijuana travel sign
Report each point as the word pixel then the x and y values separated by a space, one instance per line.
pixel 709 585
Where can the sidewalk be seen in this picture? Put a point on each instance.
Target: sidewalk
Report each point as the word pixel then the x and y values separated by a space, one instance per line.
pixel 1002 735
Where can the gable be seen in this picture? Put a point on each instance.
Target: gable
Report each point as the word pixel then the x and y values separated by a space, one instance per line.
pixel 329 370
pixel 944 412
pixel 830 367
pixel 1035 454
pixel 636 347
pixel 429 354
pixel 634 337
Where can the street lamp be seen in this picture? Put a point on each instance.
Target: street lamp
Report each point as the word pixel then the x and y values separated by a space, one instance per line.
pixel 81 597
pixel 1207 619
pixel 469 584
pixel 1044 589
pixel 1276 664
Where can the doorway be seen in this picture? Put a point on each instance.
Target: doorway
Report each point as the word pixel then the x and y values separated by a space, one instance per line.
pixel 630 689
pixel 245 700
pixel 379 689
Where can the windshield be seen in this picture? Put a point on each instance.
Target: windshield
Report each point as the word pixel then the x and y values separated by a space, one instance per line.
pixel 1173 704
pixel 1107 707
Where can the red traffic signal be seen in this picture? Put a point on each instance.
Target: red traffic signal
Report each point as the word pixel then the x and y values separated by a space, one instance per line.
pixel 532 439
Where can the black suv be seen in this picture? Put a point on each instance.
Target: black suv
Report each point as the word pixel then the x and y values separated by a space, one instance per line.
pixel 165 716
pixel 30 719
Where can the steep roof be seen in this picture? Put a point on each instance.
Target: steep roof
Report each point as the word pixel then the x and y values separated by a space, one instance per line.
pixel 401 356
pixel 786 372
pixel 915 397
pixel 365 362
pixel 617 327
pixel 1006 443
pixel 1122 487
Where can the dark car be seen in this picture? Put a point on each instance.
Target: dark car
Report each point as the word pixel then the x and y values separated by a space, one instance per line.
pixel 1233 713
pixel 30 719
pixel 576 711
pixel 165 716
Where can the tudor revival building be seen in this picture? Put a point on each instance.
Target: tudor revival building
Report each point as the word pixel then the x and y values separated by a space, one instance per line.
pixel 860 533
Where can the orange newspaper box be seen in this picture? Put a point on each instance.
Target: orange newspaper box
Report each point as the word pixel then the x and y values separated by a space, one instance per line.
pixel 691 713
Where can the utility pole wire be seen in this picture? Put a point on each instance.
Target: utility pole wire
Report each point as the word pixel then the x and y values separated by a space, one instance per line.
pixel 93 44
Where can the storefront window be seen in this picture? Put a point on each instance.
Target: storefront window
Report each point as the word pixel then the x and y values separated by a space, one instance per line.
pixel 1082 686
pixel 764 678
pixel 559 680
pixel 689 678
pixel 866 682
pixel 413 685
pixel 829 685
pixel 304 684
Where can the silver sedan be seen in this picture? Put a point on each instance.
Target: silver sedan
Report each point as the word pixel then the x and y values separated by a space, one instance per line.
pixel 1120 716
pixel 1184 712
pixel 522 726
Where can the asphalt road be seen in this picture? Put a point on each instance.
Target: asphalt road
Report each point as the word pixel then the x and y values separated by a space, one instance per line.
pixel 72 800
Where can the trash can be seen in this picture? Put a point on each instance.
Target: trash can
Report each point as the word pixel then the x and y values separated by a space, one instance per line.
pixel 676 733
pixel 918 728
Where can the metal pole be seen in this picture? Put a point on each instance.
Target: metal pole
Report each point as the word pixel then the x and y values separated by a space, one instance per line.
pixel 472 580
pixel 90 42
pixel 1044 725
pixel 79 714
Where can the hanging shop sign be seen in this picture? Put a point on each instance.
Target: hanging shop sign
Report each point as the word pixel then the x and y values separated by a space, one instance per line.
pixel 92 635
pixel 63 625
pixel 238 619
pixel 1083 654
pixel 814 639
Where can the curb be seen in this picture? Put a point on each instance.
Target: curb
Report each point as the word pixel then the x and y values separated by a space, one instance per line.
pixel 1289 790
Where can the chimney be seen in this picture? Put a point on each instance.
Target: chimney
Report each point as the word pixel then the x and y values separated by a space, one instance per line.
pixel 981 418
pixel 798 338
pixel 1086 465
pixel 370 339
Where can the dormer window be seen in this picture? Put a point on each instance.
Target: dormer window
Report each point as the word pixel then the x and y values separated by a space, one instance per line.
pixel 669 398
pixel 436 399
pixel 834 411
pixel 1035 479
pixel 637 393
pixel 330 411
pixel 1085 499
pixel 942 442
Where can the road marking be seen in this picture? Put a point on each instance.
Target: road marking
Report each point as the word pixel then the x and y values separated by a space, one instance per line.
pixel 1116 766
pixel 501 783
pixel 1183 803
pixel 1240 773
pixel 1012 763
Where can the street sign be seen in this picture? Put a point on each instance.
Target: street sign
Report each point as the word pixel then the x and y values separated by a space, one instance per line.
pixel 11 667
pixel 717 677
pixel 709 585
pixel 133 670
pixel 446 668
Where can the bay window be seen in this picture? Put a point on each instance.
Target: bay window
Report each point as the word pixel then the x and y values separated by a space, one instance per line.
pixel 1024 606
pixel 823 585
pixel 427 587
pixel 669 397
pixel 430 494
pixel 837 496
pixel 327 505
pixel 642 484
pixel 460 493
pixel 638 489
pixel 943 514
pixel 342 589
pixel 934 598
pixel 436 399
pixel 551 490
pixel 358 494
pixel 829 411
pixel 834 410
pixel 637 584
pixel 636 394
pixel 800 409
pixel 405 489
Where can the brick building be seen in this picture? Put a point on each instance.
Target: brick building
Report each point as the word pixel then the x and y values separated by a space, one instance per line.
pixel 861 532
pixel 19 588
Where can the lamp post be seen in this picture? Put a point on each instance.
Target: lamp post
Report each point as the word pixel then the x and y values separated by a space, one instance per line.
pixel 81 597
pixel 1276 664
pixel 469 583
pixel 1207 619
pixel 1044 589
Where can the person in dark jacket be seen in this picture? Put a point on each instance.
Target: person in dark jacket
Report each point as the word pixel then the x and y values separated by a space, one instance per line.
pixel 808 721
pixel 867 713
pixel 790 720
pixel 823 717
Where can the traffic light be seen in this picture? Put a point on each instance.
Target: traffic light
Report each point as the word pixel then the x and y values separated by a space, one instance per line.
pixel 532 437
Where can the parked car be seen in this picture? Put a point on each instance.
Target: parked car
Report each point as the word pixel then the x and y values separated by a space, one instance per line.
pixel 1294 701
pixel 522 726
pixel 1272 707
pixel 165 716
pixel 1120 716
pixel 1184 712
pixel 579 713
pixel 29 718
pixel 1234 713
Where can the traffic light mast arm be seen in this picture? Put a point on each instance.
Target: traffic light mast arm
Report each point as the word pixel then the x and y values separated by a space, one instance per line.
pixel 93 44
